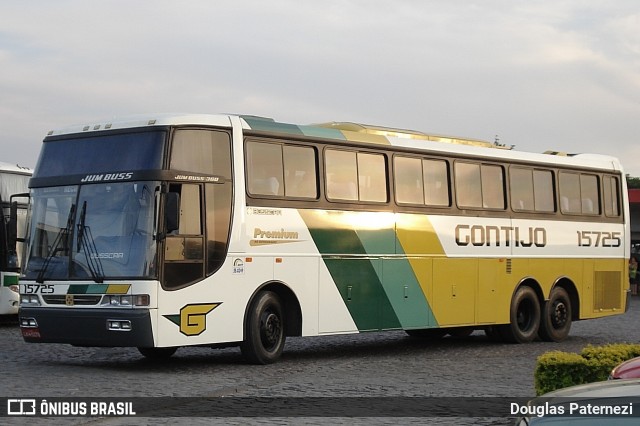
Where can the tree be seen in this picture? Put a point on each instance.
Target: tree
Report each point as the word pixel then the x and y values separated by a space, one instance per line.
pixel 633 182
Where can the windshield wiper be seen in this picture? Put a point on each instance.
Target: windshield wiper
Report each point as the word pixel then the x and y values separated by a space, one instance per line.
pixel 88 245
pixel 63 234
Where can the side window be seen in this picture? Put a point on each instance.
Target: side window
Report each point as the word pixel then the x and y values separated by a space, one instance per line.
pixel 300 176
pixel 184 248
pixel 579 194
pixel 531 190
pixel 589 199
pixel 201 151
pixel 372 177
pixel 352 176
pixel 264 169
pixel 479 185
pixel 468 185
pixel 570 193
pixel 421 181
pixel 436 182
pixel 341 175
pixel 408 180
pixel 281 170
pixel 543 191
pixel 218 219
pixel 492 187
pixel 521 185
pixel 611 196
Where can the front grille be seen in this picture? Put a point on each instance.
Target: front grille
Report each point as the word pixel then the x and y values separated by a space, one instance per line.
pixel 78 299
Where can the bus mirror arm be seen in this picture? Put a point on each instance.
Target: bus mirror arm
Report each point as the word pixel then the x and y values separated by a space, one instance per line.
pixel 12 226
pixel 172 212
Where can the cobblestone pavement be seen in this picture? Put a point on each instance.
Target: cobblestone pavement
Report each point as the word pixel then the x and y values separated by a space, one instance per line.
pixel 368 365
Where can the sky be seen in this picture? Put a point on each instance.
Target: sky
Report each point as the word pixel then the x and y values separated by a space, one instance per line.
pixel 540 75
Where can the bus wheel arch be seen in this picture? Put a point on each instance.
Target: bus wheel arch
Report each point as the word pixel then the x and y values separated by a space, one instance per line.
pixel 524 314
pixel 272 313
pixel 558 312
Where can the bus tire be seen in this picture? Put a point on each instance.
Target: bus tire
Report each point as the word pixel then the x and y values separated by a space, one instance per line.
pixel 524 317
pixel 556 316
pixel 157 353
pixel 264 329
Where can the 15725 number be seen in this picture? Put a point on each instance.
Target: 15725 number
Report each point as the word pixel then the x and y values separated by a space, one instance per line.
pixel 599 239
pixel 37 288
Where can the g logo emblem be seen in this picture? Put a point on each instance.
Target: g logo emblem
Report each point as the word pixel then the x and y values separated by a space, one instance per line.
pixel 192 319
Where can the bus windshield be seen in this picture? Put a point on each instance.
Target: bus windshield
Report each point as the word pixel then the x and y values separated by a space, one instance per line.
pixel 93 231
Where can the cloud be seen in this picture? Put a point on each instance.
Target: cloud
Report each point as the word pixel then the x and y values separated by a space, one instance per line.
pixel 563 75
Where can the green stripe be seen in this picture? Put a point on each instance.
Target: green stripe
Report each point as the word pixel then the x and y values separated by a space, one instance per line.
pixel 379 288
pixel 87 289
pixel 356 274
pixel 9 280
pixel 267 124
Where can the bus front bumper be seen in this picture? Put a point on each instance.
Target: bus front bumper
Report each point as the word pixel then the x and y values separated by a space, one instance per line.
pixel 84 327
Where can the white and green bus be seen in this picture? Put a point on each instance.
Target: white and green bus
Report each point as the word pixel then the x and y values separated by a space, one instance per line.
pixel 219 230
pixel 14 190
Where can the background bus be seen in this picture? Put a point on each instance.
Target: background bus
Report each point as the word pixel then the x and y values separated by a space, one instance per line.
pixel 13 180
pixel 234 230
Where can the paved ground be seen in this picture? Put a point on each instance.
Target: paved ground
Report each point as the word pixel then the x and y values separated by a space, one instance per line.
pixel 370 365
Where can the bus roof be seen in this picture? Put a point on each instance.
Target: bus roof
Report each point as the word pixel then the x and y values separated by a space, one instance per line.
pixel 15 168
pixel 355 133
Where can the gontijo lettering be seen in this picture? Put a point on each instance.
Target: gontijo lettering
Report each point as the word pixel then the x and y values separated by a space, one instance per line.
pixel 479 235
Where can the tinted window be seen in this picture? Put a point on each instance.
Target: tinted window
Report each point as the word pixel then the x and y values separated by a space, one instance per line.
pixel 300 177
pixel 611 197
pixel 421 181
pixel 479 185
pixel 201 151
pixel 531 190
pixel 275 169
pixel 121 152
pixel 341 175
pixel 354 176
pixel 579 193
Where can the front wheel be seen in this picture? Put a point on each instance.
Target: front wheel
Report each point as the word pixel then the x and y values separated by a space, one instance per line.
pixel 556 316
pixel 524 317
pixel 264 329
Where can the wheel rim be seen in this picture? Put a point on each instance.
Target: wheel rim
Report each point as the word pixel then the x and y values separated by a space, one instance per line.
pixel 270 330
pixel 525 315
pixel 559 314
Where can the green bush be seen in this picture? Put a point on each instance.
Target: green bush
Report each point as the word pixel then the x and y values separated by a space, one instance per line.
pixel 556 370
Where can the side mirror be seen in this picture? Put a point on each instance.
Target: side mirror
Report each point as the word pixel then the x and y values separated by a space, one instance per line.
pixel 12 232
pixel 12 226
pixel 172 212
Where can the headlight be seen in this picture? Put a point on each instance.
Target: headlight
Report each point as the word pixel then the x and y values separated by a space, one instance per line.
pixel 126 300
pixel 30 299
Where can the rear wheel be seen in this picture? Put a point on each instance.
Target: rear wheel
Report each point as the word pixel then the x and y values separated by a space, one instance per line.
pixel 264 329
pixel 524 317
pixel 157 353
pixel 556 316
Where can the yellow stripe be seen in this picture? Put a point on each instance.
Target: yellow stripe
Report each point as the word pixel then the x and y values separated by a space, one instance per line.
pixel 118 288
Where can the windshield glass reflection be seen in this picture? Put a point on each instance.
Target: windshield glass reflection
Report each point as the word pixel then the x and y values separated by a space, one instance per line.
pixel 93 232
